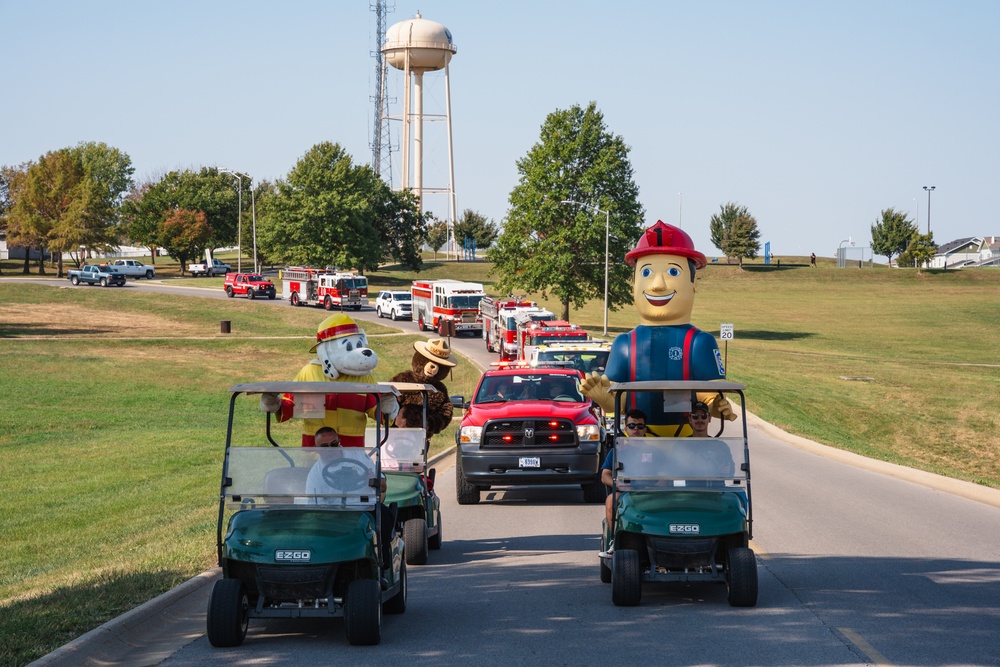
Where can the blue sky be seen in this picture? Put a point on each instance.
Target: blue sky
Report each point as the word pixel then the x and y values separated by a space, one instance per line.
pixel 814 115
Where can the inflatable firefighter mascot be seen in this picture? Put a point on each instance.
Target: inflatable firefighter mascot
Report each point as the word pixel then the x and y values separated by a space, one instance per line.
pixel 665 345
pixel 430 364
pixel 342 355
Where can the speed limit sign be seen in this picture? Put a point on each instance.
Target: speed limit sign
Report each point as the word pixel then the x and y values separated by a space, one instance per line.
pixel 727 332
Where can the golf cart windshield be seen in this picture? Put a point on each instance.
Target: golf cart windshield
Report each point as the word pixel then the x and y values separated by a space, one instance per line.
pixel 649 464
pixel 329 477
pixel 404 449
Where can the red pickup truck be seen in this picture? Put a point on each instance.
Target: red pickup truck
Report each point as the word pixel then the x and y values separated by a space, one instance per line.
pixel 251 284
pixel 527 426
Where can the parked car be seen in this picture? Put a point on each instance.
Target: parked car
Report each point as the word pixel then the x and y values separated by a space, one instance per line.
pixel 134 269
pixel 396 304
pixel 96 274
pixel 216 268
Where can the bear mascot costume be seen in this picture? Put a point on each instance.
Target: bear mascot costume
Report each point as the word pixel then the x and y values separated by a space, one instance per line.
pixel 665 345
pixel 430 364
pixel 342 355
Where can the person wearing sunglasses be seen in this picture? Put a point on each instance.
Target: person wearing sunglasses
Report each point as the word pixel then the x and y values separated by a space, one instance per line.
pixel 699 418
pixel 635 427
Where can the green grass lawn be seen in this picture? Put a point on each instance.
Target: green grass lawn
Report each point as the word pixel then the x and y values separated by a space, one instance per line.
pixel 114 407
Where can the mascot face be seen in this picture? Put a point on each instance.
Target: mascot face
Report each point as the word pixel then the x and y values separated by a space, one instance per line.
pixel 342 348
pixel 663 289
pixel 346 355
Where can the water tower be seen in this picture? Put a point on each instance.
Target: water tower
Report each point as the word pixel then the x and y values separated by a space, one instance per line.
pixel 416 46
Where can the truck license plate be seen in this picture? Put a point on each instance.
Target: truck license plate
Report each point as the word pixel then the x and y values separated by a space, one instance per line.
pixel 529 462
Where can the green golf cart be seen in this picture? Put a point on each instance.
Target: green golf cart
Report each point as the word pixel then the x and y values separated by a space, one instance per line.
pixel 299 528
pixel 683 510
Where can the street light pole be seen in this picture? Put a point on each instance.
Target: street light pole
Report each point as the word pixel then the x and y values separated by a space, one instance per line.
pixel 239 217
pixel 607 237
pixel 930 189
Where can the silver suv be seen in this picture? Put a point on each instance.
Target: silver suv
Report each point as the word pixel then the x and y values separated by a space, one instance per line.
pixel 394 304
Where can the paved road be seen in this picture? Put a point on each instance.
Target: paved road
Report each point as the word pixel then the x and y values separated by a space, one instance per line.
pixel 860 563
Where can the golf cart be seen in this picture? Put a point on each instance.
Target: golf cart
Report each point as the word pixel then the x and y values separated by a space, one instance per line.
pixel 302 524
pixel 404 461
pixel 683 510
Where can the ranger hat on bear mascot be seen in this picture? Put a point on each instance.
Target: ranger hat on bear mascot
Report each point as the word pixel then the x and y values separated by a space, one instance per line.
pixel 430 364
pixel 665 346
pixel 342 355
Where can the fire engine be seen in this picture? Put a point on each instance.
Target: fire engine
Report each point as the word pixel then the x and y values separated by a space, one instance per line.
pixel 324 287
pixel 435 300
pixel 531 334
pixel 500 319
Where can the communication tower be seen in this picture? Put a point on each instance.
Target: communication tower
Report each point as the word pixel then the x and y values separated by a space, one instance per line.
pixel 381 140
pixel 417 46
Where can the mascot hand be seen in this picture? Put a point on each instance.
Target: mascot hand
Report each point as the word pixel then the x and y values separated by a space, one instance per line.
pixel 721 407
pixel 389 406
pixel 595 387
pixel 270 402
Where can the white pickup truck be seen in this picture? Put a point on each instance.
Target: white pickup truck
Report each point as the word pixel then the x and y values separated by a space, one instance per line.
pixel 216 268
pixel 134 269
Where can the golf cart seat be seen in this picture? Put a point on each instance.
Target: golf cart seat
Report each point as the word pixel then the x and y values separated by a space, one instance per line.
pixel 282 484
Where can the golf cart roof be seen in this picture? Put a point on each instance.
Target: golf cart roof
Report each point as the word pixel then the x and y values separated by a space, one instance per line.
pixel 676 385
pixel 413 386
pixel 315 388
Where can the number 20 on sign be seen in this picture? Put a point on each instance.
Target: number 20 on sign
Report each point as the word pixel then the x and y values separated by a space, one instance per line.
pixel 726 334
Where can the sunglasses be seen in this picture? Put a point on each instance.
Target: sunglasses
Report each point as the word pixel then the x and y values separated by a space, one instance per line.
pixel 639 427
pixel 700 415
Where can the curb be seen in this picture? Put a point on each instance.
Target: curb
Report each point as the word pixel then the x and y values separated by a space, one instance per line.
pixel 105 644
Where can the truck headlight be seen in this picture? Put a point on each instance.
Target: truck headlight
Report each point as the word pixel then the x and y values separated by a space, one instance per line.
pixel 471 435
pixel 587 432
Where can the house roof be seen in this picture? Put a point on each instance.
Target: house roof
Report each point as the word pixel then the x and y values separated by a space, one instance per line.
pixel 952 246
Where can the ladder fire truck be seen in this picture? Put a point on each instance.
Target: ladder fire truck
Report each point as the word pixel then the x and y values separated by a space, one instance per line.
pixel 500 319
pixel 329 288
pixel 531 334
pixel 446 299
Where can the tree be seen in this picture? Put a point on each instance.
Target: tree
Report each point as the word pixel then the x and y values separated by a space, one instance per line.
pixel 437 235
pixel 919 251
pixel 11 179
pixel 332 212
pixel 473 225
pixel 734 231
pixel 892 234
pixel 185 233
pixel 547 245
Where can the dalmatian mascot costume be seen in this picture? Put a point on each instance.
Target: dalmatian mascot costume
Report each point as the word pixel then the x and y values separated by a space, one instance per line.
pixel 342 355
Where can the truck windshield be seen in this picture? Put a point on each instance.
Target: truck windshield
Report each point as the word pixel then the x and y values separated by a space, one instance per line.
pixel 465 301
pixel 255 279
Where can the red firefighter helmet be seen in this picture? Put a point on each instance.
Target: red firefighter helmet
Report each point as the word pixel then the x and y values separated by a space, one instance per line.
pixel 664 239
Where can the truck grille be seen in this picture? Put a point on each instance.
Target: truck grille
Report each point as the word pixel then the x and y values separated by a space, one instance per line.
pixel 528 433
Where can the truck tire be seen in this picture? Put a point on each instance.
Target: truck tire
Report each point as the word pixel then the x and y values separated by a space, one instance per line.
pixel 271 296
pixel 229 292
pixel 250 294
pixel 75 280
pixel 294 299
pixel 149 275
pixel 466 492
pixel 328 303
pixel 378 311
pixel 104 282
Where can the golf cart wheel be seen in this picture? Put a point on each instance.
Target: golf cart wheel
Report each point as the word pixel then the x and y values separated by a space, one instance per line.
pixel 594 493
pixel 228 613
pixel 415 537
pixel 605 571
pixel 741 577
pixel 626 578
pixel 397 603
pixel 363 614
pixel 434 541
pixel 466 492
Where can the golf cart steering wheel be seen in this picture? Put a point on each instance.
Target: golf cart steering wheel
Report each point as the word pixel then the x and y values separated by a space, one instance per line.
pixel 346 475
